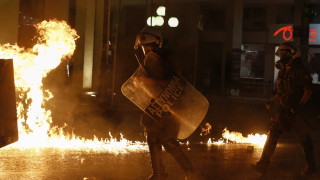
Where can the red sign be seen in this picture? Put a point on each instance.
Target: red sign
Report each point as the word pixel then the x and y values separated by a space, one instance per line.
pixel 287 33
pixel 313 35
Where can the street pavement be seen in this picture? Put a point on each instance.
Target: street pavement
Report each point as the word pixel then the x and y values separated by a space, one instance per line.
pixel 227 161
pixel 211 162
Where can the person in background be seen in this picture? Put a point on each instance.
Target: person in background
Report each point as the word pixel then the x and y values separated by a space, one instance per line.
pixel 293 91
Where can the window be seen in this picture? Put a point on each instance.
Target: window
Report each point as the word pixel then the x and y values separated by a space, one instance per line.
pixel 254 18
pixel 252 61
pixel 314 67
pixel 31 12
pixel 285 14
pixel 314 13
pixel 213 19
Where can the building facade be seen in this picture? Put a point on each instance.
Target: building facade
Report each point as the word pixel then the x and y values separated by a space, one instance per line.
pixel 223 47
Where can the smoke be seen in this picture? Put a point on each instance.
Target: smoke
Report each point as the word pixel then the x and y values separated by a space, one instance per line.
pixel 83 115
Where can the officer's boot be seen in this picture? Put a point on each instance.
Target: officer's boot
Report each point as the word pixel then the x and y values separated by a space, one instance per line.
pixel 173 147
pixel 263 164
pixel 155 150
pixel 309 154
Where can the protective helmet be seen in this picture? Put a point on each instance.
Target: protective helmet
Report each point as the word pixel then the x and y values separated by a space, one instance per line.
pixel 149 35
pixel 289 46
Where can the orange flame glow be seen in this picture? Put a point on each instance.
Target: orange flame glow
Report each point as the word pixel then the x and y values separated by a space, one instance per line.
pixel 55 43
pixel 237 137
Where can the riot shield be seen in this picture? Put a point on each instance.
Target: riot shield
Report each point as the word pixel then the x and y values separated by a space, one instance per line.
pixel 8 111
pixel 177 102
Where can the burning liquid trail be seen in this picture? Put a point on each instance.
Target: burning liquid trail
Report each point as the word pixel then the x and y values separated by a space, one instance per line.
pixel 237 137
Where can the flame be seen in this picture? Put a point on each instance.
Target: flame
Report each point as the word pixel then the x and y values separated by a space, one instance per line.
pixel 211 141
pixel 237 137
pixel 56 42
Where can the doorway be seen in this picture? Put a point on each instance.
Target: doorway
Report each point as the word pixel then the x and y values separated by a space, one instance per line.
pixel 209 66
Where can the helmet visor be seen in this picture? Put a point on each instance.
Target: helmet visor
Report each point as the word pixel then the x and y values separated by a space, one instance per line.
pixel 143 39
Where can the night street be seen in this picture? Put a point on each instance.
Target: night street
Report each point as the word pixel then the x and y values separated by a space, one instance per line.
pixel 91 89
pixel 126 160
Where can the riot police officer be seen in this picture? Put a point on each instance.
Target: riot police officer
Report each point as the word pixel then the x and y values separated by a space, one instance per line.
pixel 157 69
pixel 293 91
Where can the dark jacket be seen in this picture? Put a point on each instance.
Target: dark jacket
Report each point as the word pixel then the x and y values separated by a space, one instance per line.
pixel 293 78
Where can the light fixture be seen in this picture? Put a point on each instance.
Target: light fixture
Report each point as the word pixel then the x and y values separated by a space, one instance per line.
pixel 161 11
pixel 155 21
pixel 173 22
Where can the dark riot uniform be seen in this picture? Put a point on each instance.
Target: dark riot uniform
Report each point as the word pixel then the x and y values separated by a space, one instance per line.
pixel 287 113
pixel 159 133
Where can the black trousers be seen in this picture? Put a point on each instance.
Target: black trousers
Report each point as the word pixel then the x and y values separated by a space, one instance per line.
pixel 282 121
pixel 157 137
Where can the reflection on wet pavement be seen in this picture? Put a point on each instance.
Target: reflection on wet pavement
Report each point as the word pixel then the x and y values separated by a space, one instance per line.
pixel 225 161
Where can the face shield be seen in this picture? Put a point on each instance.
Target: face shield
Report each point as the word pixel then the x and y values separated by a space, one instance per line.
pixel 144 38
pixel 141 40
